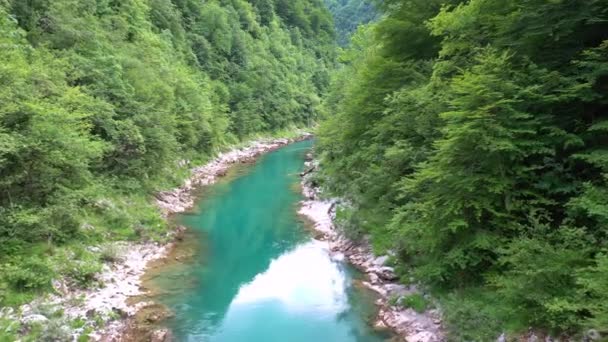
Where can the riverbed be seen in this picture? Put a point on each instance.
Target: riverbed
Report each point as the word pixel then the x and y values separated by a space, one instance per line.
pixel 253 272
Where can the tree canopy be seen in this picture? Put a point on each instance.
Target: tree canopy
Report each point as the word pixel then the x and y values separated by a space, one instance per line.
pixel 470 137
pixel 348 15
pixel 100 99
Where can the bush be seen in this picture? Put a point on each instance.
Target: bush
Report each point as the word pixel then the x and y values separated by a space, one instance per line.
pixel 472 317
pixel 415 301
pixel 56 330
pixel 348 222
pixel 111 253
pixel 540 283
pixel 594 282
pixel 27 274
pixel 79 265
pixel 9 329
pixel 45 309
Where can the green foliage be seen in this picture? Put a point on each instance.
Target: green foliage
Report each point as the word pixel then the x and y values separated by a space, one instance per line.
pixel 346 222
pixel 348 15
pixel 470 137
pixel 78 265
pixel 415 301
pixel 9 329
pixel 539 284
pixel 101 100
pixel 475 316
pixel 594 292
pixel 110 253
pixel 55 330
pixel 27 274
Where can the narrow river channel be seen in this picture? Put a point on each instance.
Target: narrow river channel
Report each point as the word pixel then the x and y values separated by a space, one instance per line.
pixel 257 274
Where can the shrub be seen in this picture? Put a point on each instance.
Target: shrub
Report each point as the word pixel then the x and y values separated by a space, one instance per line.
pixel 83 271
pixel 8 329
pixel 540 283
pixel 348 222
pixel 594 281
pixel 79 265
pixel 56 330
pixel 111 253
pixel 46 309
pixel 27 274
pixel 472 317
pixel 415 301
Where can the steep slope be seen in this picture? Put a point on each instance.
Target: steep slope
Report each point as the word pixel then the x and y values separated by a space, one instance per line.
pixel 470 138
pixel 349 14
pixel 103 101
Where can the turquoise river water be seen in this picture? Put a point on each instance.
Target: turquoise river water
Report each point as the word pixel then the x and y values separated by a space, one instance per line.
pixel 257 274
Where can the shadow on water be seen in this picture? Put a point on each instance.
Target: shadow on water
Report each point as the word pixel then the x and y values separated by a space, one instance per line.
pixel 249 270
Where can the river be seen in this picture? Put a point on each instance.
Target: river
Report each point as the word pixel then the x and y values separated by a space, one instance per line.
pixel 256 273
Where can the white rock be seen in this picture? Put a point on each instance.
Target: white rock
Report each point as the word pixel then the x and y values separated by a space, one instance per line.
pixel 34 319
pixel 381 260
pixel 162 335
pixel 380 325
pixel 373 278
pixel 376 288
pixel 593 335
pixel 423 336
pixel 396 289
pixel 6 312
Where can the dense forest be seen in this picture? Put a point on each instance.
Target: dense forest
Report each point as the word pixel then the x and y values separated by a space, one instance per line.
pixel 100 100
pixel 471 138
pixel 348 15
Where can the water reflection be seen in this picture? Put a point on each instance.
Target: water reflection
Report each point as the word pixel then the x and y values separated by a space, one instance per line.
pixel 302 280
pixel 258 276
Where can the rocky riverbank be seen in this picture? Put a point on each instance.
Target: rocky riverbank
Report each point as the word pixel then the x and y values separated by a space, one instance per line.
pixel 182 198
pixel 120 280
pixel 412 326
pixel 73 312
pixel 136 325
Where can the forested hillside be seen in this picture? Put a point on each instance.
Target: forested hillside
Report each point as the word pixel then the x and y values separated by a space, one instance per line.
pixel 348 15
pixel 472 138
pixel 100 99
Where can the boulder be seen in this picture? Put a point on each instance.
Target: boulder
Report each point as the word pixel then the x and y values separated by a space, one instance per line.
pixel 381 260
pixel 386 273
